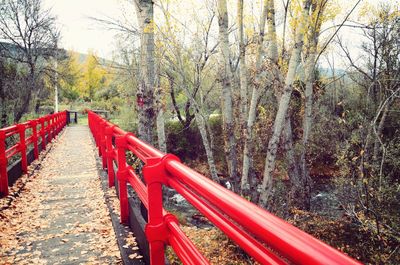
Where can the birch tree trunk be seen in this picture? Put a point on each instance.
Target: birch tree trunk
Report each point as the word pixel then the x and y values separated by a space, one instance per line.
pixel 248 146
pixel 293 169
pixel 146 115
pixel 3 106
pixel 301 189
pixel 242 69
pixel 201 124
pixel 160 122
pixel 272 51
pixel 266 186
pixel 162 145
pixel 379 131
pixel 226 80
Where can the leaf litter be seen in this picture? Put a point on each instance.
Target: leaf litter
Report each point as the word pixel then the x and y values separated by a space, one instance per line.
pixel 60 216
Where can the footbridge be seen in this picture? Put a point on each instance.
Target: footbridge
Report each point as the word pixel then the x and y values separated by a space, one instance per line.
pixel 88 194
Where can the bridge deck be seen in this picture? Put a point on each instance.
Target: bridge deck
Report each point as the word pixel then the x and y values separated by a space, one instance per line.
pixel 61 216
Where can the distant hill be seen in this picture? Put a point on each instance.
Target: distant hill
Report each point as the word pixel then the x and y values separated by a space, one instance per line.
pixel 10 50
pixel 328 72
pixel 83 56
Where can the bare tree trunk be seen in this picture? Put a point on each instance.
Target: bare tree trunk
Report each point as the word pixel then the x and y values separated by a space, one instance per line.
pixel 145 92
pixel 227 109
pixel 3 110
pixel 295 195
pixel 248 146
pixel 242 69
pixel 379 132
pixel 201 124
pixel 266 187
pixel 3 107
pixel 160 121
pixel 272 50
pixel 162 144
pixel 301 188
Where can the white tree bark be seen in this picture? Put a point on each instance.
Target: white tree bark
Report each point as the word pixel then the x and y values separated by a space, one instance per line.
pixel 272 50
pixel 162 144
pixel 227 109
pixel 160 121
pixel 201 124
pixel 301 188
pixel 266 186
pixel 248 146
pixel 379 131
pixel 242 68
pixel 55 89
pixel 146 114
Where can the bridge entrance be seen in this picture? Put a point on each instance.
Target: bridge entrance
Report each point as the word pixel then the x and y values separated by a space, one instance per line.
pixel 60 216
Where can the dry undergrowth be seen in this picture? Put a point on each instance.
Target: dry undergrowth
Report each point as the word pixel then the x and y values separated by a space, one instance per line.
pixel 215 246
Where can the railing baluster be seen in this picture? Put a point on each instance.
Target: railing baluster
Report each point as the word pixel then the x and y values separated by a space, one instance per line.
pixel 103 144
pixel 22 148
pixel 122 175
pixel 110 155
pixel 42 133
pixel 3 165
pixel 156 229
pixel 34 124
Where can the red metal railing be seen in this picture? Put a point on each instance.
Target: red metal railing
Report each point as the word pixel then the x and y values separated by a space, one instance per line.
pixel 265 237
pixel 50 126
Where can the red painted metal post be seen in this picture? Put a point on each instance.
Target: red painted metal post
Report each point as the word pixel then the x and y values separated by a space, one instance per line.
pixel 3 165
pixel 156 229
pixel 35 138
pixel 59 122
pixel 102 146
pixel 110 155
pixel 54 117
pixel 22 148
pixel 48 129
pixel 56 124
pixel 122 175
pixel 53 126
pixel 43 133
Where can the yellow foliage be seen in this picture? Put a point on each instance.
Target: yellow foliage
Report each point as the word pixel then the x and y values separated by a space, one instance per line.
pixel 149 28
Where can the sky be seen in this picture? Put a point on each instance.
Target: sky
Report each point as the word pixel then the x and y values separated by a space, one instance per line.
pixel 81 34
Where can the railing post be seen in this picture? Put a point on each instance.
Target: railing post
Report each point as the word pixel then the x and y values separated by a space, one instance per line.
pixel 156 229
pixel 110 154
pixel 43 133
pixel 68 117
pixel 22 148
pixel 64 119
pixel 103 143
pixel 122 175
pixel 53 126
pixel 35 138
pixel 3 165
pixel 58 124
pixel 48 129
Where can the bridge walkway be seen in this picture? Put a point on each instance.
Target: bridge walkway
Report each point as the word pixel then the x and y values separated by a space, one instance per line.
pixel 61 217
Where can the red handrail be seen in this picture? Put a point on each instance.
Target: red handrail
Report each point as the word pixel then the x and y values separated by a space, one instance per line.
pixel 50 126
pixel 265 237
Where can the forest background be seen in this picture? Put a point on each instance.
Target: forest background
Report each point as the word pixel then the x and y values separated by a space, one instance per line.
pixel 270 98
